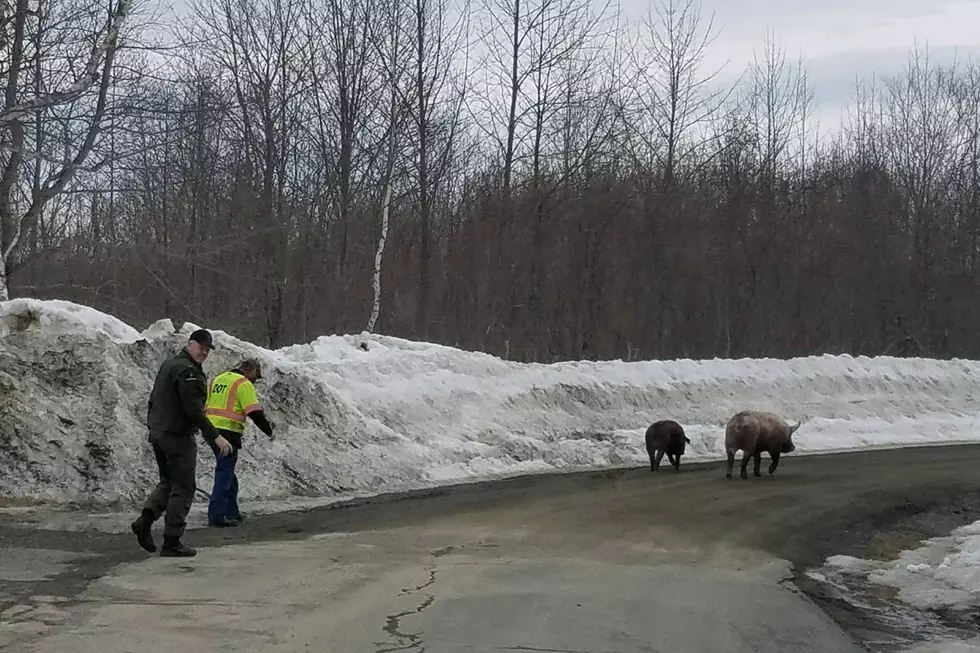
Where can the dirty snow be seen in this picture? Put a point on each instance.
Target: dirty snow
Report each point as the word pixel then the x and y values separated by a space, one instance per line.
pixel 56 317
pixel 938 577
pixel 947 646
pixel 363 414
pixel 943 573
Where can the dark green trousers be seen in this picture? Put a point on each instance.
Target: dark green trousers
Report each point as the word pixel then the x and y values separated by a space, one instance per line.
pixel 177 463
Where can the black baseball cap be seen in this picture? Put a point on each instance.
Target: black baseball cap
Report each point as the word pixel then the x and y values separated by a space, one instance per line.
pixel 203 336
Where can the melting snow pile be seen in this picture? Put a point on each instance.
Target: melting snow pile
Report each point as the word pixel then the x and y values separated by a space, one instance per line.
pixel 366 414
pixel 927 585
pixel 942 574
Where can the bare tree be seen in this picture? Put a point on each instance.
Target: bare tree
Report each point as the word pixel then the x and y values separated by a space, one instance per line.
pixel 528 41
pixel 382 239
pixel 924 145
pixel 347 91
pixel 433 43
pixel 966 97
pixel 258 43
pixel 388 46
pixel 571 122
pixel 675 96
pixel 778 100
pixel 299 134
pixel 59 59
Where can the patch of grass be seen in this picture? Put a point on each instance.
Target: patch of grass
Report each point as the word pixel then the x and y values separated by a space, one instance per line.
pixel 883 592
pixel 888 546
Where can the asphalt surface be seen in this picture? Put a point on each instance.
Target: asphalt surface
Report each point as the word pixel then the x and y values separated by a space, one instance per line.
pixel 623 560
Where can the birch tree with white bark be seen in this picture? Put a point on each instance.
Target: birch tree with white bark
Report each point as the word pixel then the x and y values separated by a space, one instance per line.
pixel 390 49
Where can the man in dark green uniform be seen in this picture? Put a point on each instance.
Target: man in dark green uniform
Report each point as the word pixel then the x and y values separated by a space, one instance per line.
pixel 175 413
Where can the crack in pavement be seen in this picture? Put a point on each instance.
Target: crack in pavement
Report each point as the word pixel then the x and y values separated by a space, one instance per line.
pixel 418 588
pixel 393 622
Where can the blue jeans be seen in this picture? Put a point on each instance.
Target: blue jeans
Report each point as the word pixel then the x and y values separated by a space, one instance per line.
pixel 224 495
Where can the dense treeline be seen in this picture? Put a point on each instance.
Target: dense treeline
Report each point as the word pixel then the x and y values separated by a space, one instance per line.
pixel 554 184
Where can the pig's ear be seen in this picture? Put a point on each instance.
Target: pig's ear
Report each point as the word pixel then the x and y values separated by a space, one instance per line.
pixel 687 439
pixel 792 429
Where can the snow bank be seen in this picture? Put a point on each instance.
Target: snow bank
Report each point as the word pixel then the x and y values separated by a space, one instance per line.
pixel 942 574
pixel 939 577
pixel 970 646
pixel 364 414
pixel 55 317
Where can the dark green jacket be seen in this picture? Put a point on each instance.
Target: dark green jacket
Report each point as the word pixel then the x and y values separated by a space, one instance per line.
pixel 177 402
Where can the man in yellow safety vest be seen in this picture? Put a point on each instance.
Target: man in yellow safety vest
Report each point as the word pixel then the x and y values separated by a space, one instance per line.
pixel 232 399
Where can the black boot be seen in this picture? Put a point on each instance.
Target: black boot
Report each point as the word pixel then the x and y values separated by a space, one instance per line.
pixel 224 523
pixel 172 548
pixel 141 529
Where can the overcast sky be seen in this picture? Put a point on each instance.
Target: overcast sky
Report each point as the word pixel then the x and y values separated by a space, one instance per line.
pixel 839 39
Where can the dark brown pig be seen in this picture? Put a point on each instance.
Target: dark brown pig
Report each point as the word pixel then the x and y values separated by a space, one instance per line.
pixel 755 432
pixel 665 436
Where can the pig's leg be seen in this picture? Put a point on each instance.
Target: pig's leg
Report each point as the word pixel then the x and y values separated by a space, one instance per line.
pixel 775 461
pixel 746 454
pixel 731 463
pixel 756 462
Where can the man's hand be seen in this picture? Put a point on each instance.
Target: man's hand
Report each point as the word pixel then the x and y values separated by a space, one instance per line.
pixel 223 445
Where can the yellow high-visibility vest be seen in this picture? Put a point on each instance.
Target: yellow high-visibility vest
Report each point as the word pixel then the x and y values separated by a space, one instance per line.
pixel 231 398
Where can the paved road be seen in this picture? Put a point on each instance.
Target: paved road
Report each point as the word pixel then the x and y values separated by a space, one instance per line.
pixel 620 561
